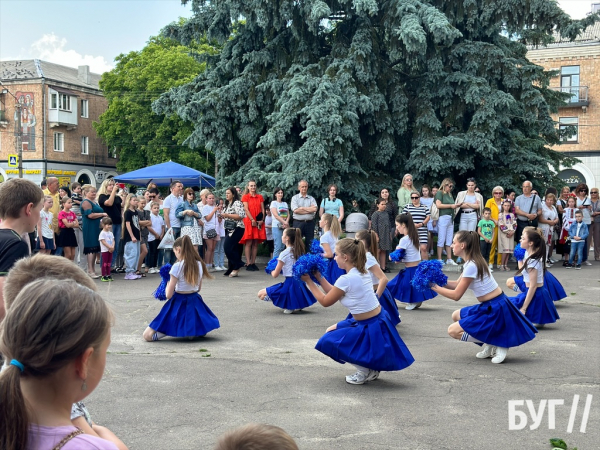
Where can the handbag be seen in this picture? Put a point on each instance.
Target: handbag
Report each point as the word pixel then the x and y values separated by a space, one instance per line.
pixel 229 225
pixel 534 222
pixel 168 240
pixel 211 234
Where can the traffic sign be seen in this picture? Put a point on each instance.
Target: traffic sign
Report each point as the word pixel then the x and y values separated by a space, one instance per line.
pixel 13 160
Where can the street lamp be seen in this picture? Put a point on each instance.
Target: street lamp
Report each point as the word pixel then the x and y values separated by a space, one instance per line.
pixel 19 132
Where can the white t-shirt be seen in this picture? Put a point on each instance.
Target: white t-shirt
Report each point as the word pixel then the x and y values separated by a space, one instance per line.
pixel 182 285
pixel 268 227
pixel 108 237
pixel 287 256
pixel 371 261
pixel 212 223
pixel 328 239
pixel 412 253
pixel 46 218
pixel 358 288
pixel 479 287
pixel 157 224
pixel 172 203
pixel 533 264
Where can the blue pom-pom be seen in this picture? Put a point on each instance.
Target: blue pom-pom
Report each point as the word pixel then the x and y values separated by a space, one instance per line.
pixel 271 265
pixel 429 272
pixel 309 264
pixel 398 255
pixel 519 253
pixel 161 291
pixel 315 248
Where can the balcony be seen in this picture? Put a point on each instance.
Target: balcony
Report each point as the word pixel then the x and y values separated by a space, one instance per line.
pixel 579 96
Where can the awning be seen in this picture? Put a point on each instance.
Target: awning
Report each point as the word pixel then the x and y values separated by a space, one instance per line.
pixel 65 91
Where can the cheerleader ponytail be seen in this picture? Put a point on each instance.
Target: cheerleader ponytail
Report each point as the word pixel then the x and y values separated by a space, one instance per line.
pixel 536 237
pixel 294 235
pixel 413 234
pixel 355 250
pixel 370 239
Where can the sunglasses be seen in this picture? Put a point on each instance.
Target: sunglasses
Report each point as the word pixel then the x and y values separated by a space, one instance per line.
pixel 414 198
pixel 594 192
pixel 152 196
pixel 497 193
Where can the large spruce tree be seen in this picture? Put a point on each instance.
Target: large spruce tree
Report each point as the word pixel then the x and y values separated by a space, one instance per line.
pixel 359 92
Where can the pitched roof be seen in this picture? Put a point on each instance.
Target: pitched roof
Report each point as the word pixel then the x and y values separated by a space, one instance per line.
pixel 31 69
pixel 590 35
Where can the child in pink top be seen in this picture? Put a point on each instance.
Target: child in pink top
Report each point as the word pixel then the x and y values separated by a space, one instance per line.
pixel 67 221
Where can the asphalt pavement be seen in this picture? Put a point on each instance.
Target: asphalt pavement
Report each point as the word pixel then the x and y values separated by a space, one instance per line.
pixel 261 366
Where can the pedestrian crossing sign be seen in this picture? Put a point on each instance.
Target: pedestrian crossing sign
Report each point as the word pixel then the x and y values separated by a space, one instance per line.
pixel 13 160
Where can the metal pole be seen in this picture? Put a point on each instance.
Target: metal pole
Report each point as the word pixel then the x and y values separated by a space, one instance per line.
pixel 19 140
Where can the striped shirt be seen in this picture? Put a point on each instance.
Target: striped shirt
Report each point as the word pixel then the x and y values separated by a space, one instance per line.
pixel 419 214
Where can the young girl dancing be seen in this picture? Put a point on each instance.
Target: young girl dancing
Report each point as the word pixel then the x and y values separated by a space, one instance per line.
pixel 185 314
pixel 331 233
pixel 67 221
pixel 400 287
pixel 378 278
pixel 291 295
pixel 54 339
pixel 495 321
pixel 368 340
pixel 535 301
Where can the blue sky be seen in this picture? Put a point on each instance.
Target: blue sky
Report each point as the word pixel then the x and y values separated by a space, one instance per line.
pixel 75 32
pixel 94 32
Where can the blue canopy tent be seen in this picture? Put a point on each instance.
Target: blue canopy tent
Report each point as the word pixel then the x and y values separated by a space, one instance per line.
pixel 163 174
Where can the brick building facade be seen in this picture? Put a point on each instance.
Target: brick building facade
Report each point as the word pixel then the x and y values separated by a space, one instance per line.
pixel 50 109
pixel 578 73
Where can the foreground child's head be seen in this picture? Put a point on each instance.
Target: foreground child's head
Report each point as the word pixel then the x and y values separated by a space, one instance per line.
pixel 292 237
pixel 21 199
pixel 55 336
pixel 351 253
pixel 256 436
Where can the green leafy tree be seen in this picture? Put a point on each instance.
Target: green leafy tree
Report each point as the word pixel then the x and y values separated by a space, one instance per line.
pixel 359 92
pixel 141 137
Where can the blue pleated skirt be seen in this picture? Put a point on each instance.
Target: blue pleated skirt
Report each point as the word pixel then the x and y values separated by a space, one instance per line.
pixel 403 291
pixel 185 315
pixel 291 294
pixel 497 322
pixel 333 271
pixel 373 343
pixel 388 304
pixel 541 309
pixel 552 285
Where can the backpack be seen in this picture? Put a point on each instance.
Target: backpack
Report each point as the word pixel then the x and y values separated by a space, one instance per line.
pixel 434 211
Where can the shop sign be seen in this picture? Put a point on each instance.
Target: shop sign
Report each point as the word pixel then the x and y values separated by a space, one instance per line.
pixel 571 177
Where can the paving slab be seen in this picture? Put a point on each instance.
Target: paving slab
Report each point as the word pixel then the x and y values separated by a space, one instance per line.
pixel 261 366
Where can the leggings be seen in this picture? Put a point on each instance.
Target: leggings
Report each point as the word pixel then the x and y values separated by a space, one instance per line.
pixel 106 261
pixel 234 258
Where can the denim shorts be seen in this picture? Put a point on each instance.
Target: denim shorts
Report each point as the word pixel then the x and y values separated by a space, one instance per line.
pixel 49 243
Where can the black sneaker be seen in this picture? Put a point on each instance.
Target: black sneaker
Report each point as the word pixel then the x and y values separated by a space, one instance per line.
pixel 568 266
pixel 110 278
pixel 565 263
pixel 104 279
pixel 578 266
pixel 255 268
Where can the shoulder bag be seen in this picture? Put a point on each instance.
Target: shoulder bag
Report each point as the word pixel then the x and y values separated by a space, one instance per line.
pixel 534 222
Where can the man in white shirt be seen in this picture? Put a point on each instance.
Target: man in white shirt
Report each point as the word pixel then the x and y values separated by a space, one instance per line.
pixel 170 204
pixel 304 208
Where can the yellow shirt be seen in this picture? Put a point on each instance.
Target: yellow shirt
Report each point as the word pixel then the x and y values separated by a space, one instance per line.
pixel 491 203
pixel 55 209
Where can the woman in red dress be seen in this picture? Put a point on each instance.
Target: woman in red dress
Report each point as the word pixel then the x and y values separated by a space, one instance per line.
pixel 255 233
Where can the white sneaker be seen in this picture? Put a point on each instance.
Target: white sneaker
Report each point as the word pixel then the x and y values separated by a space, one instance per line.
pixel 491 267
pixel 501 353
pixel 219 268
pixel 373 375
pixel 412 306
pixel 357 378
pixel 486 352
pixel 451 262
pixel 288 311
pixel 587 263
pixel 143 265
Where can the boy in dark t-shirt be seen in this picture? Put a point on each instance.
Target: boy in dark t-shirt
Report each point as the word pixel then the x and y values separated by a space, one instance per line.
pixel 20 205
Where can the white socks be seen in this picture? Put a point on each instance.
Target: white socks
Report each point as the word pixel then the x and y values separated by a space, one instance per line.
pixel 466 337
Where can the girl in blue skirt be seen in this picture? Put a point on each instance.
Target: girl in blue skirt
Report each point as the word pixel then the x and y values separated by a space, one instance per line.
pixel 400 287
pixel 291 295
pixel 185 314
pixel 553 286
pixel 494 321
pixel 332 230
pixel 378 278
pixel 535 301
pixel 368 340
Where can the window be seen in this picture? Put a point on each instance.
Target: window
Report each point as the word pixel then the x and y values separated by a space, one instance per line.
pixel 59 142
pixel 53 101
pixel 84 145
pixel 569 82
pixel 84 108
pixel 565 122
pixel 64 102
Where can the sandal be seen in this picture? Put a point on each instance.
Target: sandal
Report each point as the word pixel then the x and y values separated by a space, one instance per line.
pixel 141 274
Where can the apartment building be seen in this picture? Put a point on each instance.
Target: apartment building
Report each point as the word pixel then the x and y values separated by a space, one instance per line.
pixel 577 65
pixel 46 116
